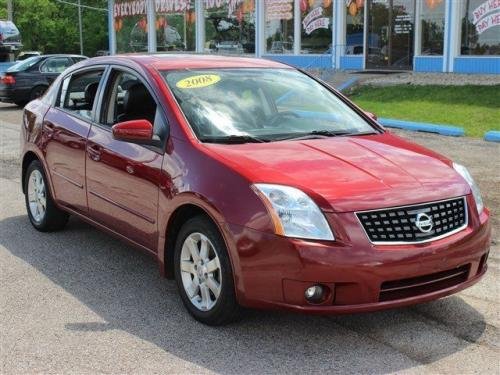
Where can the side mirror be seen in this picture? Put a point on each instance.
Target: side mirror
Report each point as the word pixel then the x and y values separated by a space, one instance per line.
pixel 136 131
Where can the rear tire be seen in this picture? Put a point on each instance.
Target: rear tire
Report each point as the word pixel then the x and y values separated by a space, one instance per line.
pixel 42 211
pixel 204 274
pixel 37 92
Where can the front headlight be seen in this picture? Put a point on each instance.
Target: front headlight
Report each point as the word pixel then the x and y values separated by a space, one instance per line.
pixel 462 171
pixel 294 214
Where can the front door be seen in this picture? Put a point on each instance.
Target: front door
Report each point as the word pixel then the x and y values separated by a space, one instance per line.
pixel 123 177
pixel 390 36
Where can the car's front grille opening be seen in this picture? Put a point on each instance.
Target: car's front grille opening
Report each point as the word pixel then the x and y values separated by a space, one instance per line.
pixel 416 223
pixel 415 286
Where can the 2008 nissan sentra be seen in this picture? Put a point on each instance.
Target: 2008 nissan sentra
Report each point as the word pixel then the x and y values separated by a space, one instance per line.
pixel 252 184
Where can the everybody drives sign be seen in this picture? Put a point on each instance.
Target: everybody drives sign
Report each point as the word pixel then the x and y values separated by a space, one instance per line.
pixel 486 15
pixel 139 7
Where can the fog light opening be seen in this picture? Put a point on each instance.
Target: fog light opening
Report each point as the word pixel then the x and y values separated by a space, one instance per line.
pixel 316 293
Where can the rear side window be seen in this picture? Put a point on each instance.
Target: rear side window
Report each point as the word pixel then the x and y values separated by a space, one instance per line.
pixel 78 93
pixel 55 65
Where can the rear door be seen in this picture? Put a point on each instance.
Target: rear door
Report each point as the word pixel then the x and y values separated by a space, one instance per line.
pixel 67 125
pixel 123 177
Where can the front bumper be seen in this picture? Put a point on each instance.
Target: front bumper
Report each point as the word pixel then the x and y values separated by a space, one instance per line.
pixel 273 271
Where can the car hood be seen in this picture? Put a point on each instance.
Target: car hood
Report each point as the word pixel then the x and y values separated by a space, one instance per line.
pixel 346 174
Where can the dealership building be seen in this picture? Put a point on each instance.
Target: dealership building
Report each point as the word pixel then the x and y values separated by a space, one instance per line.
pixel 461 36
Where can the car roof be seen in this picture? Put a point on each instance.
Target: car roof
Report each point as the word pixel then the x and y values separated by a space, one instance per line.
pixel 62 55
pixel 189 61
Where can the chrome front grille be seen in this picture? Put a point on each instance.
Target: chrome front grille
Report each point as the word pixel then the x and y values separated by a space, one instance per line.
pixel 416 223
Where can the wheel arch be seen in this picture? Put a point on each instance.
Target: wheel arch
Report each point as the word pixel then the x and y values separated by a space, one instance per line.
pixel 28 158
pixel 176 220
pixel 39 84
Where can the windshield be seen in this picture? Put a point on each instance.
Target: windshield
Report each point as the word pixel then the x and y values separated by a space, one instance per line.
pixel 24 64
pixel 260 105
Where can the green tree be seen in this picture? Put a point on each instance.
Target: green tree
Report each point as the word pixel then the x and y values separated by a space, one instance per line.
pixel 3 10
pixel 51 26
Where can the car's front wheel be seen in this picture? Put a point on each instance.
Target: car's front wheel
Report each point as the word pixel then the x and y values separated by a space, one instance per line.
pixel 203 273
pixel 42 211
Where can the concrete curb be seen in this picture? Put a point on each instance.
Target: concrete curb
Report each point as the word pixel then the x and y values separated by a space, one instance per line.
pixel 492 136
pixel 452 131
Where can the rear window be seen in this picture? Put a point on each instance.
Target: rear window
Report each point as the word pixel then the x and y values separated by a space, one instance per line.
pixel 24 64
pixel 10 33
pixel 8 26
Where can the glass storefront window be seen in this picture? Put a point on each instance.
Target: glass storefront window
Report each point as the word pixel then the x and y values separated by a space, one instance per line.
pixel 432 26
pixel 480 27
pixel 278 32
pixel 230 26
pixel 390 34
pixel 316 26
pixel 355 17
pixel 175 25
pixel 131 26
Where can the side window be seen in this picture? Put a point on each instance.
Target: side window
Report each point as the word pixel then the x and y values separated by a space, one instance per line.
pixel 126 99
pixel 78 92
pixel 78 59
pixel 55 65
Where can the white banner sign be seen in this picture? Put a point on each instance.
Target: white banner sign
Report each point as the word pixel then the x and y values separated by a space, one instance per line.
pixel 487 7
pixel 488 22
pixel 320 23
pixel 279 10
pixel 315 13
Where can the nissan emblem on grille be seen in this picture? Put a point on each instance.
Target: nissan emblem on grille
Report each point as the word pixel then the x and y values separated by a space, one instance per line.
pixel 424 222
pixel 415 223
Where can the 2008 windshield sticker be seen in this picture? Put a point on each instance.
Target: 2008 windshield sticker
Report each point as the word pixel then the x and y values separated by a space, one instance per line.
pixel 195 82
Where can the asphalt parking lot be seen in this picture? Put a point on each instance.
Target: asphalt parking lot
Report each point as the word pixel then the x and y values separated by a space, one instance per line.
pixel 79 301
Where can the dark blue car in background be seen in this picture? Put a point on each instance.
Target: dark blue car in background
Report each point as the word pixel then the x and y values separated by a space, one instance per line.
pixel 28 79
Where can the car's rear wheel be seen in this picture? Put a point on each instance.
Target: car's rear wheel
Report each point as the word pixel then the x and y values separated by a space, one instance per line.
pixel 37 92
pixel 203 273
pixel 42 212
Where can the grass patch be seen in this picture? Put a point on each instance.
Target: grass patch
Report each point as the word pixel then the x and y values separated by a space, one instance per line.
pixel 475 108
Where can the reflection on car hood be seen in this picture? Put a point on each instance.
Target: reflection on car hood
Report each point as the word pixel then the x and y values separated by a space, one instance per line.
pixel 349 173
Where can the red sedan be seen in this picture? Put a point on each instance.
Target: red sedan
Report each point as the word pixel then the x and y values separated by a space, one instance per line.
pixel 252 184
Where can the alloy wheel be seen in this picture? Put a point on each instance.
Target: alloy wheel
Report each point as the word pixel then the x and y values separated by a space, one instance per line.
pixel 37 196
pixel 200 271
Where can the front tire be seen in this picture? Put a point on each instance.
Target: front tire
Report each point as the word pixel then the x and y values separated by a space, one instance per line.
pixel 203 273
pixel 42 211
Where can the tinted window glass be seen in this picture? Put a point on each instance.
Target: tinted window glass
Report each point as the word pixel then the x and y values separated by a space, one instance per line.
pixel 55 65
pixel 78 93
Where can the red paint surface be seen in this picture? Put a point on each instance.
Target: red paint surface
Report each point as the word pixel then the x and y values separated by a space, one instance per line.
pixel 132 191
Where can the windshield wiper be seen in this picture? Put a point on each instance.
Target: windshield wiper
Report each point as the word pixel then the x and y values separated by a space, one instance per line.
pixel 233 139
pixel 315 134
